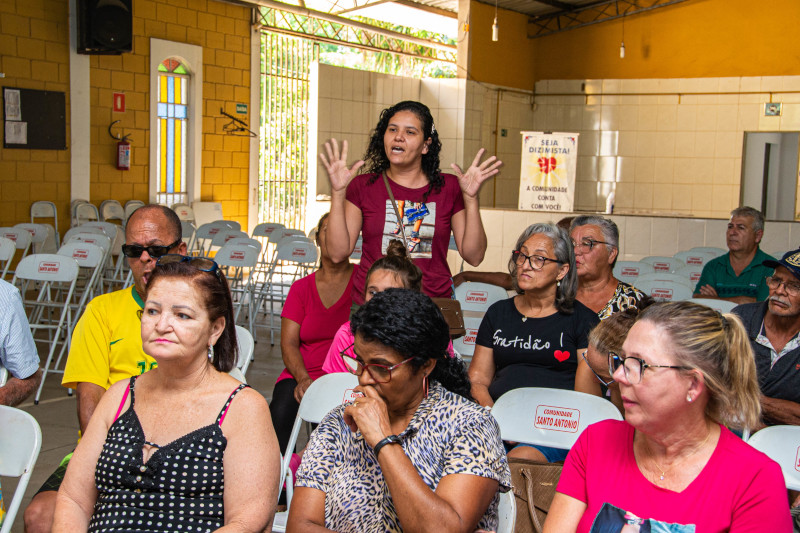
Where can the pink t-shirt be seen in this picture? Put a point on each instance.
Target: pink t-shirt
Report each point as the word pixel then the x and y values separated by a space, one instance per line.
pixel 344 338
pixel 739 490
pixel 430 219
pixel 318 324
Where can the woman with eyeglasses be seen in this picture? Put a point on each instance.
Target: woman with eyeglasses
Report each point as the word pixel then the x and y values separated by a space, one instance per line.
pixel 535 338
pixel 685 372
pixel 316 306
pixel 415 451
pixel 183 447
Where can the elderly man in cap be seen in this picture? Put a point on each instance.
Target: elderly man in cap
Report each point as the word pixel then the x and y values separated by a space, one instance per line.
pixel 774 326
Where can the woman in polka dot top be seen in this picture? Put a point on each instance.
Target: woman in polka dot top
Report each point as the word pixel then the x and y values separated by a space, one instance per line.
pixel 184 447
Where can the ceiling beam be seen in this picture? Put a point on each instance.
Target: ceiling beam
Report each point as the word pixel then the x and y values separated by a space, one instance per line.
pixel 408 3
pixel 563 6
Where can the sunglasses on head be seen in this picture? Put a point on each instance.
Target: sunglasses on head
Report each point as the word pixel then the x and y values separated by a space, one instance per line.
pixel 203 264
pixel 135 250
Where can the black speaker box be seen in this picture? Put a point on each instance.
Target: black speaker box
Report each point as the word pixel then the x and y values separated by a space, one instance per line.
pixel 105 26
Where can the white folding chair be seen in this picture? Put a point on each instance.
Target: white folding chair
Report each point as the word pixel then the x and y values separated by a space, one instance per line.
pixel 130 207
pixel 20 442
pixel 39 234
pixel 629 271
pixel 782 445
pixel 662 263
pixel 21 239
pixel 112 210
pixel 7 251
pixel 713 249
pixel 723 306
pixel 223 236
pixel 355 257
pixel 85 212
pixel 262 233
pixel 664 276
pixel 465 345
pixel 475 299
pixel 205 212
pixel 89 258
pixel 324 394
pixel 247 347
pixel 184 212
pixel 237 258
pixel 691 273
pixel 3 375
pixel 204 234
pixel 48 210
pixel 668 291
pixel 691 258
pixel 506 512
pixel 53 274
pixel 549 417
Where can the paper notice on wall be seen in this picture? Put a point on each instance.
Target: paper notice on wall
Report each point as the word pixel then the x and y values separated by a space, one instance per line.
pixel 12 103
pixel 547 173
pixel 16 132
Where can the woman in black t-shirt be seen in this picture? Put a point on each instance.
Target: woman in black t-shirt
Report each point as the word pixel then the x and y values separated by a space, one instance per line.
pixel 533 339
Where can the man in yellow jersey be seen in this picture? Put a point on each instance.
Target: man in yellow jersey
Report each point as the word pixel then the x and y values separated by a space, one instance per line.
pixel 107 341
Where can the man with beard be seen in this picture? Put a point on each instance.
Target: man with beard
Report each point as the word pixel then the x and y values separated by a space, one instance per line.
pixel 738 276
pixel 773 327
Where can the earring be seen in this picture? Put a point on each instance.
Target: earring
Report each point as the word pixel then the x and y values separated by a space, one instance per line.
pixel 689 398
pixel 210 352
pixel 425 386
pixel 558 284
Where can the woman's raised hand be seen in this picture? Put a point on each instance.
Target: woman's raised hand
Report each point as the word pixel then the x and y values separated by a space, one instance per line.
pixel 336 165
pixel 471 180
pixel 368 415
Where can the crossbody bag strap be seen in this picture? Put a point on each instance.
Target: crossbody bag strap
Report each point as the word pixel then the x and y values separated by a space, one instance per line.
pixel 396 211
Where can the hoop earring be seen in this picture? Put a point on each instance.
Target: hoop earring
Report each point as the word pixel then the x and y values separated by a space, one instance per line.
pixel 425 386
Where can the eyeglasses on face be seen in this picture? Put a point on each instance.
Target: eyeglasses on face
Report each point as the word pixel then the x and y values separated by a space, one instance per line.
pixel 134 250
pixel 380 373
pixel 791 288
pixel 634 367
pixel 203 264
pixel 536 262
pixel 600 379
pixel 587 245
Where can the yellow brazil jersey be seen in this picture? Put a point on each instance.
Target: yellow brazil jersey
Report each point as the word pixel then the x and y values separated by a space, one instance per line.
pixel 107 342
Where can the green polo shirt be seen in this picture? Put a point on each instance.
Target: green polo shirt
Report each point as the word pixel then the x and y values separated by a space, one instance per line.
pixel 719 274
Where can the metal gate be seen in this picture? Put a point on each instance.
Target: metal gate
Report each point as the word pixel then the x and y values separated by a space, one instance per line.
pixel 283 165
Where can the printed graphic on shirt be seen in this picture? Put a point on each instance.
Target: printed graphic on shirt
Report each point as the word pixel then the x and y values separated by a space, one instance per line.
pixel 418 221
pixel 612 519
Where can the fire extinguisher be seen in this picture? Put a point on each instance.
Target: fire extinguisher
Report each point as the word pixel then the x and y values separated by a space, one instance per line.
pixel 124 154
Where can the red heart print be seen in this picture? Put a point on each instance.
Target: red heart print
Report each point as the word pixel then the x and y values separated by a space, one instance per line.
pixel 547 164
pixel 561 355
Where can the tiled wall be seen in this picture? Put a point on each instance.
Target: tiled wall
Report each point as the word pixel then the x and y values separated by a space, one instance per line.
pixel 666 146
pixel 640 236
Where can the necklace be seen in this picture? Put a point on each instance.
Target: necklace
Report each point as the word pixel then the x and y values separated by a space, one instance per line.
pixel 664 472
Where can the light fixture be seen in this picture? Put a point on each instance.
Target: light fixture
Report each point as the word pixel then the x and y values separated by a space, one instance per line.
pixel 495 28
pixel 622 44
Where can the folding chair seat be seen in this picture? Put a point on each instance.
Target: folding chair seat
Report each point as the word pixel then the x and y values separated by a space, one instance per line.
pixel 237 258
pixel 54 274
pixel 22 241
pixel 47 210
pixel 663 290
pixel 549 417
pixel 112 210
pixel 184 212
pixel 782 445
pixel 85 212
pixel 20 443
pixel 662 263
pixel 292 259
pixel 713 249
pixel 131 206
pixel 691 258
pixel 629 271
pixel 247 346
pixel 723 306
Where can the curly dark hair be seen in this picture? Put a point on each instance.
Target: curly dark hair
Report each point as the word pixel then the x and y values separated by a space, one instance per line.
pixel 410 323
pixel 376 160
pixel 213 287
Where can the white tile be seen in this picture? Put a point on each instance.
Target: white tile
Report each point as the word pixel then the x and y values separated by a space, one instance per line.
pixel 705 143
pixel 771 83
pixel 637 236
pixel 724 170
pixel 727 117
pixel 609 143
pixel 682 199
pixel 664 236
pixel 664 170
pixel 606 169
pixel 667 118
pixel 648 118
pixel 726 143
pixel 691 233
pixel 750 84
pixel 643 196
pixel 776 237
pixel 626 143
pixel 707 118
pixel 686 118
pixel 609 118
pixel 665 144
pixel 645 170
pixel 645 144
pixel 715 233
pixel 685 143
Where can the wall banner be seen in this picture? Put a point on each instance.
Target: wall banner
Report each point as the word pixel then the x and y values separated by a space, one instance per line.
pixel 547 175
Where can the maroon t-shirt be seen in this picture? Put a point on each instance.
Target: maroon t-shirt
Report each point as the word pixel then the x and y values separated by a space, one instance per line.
pixel 427 228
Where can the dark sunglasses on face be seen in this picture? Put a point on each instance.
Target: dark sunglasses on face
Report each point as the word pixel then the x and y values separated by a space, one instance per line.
pixel 134 250
pixel 203 264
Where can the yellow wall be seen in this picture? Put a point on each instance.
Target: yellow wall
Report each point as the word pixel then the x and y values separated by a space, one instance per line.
pixel 696 38
pixel 34 54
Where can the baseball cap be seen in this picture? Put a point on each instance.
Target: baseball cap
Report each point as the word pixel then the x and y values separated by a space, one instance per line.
pixel 790 260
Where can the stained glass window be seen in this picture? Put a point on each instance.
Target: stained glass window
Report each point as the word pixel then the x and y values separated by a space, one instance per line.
pixel 172 111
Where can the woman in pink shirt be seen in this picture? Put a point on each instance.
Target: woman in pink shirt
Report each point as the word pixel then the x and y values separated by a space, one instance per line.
pixel 685 372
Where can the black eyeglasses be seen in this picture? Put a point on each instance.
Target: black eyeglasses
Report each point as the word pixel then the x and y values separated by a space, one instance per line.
pixel 203 264
pixel 380 373
pixel 587 245
pixel 135 250
pixel 536 262
pixel 600 379
pixel 634 367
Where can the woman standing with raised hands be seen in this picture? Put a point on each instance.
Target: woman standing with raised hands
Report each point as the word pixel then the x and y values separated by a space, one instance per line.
pixel 403 158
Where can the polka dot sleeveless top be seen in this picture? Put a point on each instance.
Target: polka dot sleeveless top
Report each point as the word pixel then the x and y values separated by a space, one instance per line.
pixel 179 488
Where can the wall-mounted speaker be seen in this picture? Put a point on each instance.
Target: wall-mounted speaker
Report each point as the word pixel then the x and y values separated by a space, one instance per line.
pixel 105 26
